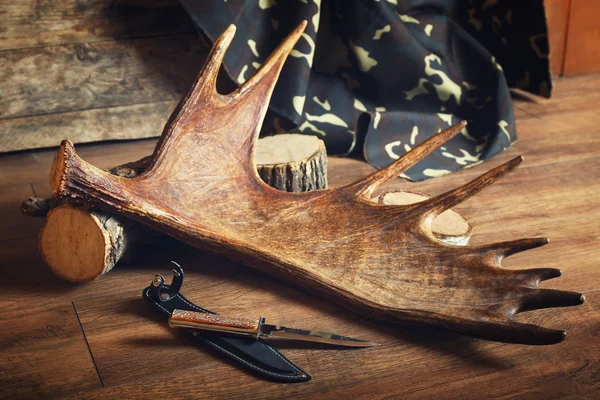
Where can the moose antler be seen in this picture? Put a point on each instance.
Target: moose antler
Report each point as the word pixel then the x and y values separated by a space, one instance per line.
pixel 377 259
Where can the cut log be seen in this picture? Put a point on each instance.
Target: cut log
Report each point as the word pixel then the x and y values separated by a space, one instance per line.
pixel 80 244
pixel 292 162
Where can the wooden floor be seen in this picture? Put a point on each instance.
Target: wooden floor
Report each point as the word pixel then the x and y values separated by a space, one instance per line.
pixel 101 340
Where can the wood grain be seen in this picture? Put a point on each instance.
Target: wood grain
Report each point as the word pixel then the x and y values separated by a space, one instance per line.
pixel 581 94
pixel 216 322
pixel 82 66
pixel 583 36
pixel 410 362
pixel 557 20
pixel 12 223
pixel 96 75
pixel 44 354
pixel 112 123
pixel 24 267
pixel 40 23
pixel 123 360
pixel 574 198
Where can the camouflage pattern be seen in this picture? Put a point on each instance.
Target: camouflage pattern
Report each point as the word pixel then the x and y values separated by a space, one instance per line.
pixel 384 75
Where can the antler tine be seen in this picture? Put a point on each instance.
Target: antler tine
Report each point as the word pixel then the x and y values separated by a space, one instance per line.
pixel 506 249
pixel 269 71
pixel 215 58
pixel 531 277
pixel 207 80
pixel 256 93
pixel 517 332
pixel 534 299
pixel 204 88
pixel 510 331
pixel 439 204
pixel 365 187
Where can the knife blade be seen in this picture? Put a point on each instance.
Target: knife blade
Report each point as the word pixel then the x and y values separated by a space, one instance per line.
pixel 258 329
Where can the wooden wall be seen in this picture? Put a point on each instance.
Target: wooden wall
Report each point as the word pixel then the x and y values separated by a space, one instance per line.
pixel 574 34
pixel 93 69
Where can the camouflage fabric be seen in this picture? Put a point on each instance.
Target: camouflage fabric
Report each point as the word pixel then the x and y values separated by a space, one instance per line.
pixel 383 76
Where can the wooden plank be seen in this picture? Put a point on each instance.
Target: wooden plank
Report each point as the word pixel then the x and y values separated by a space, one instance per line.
pixel 139 326
pixel 18 255
pixel 555 137
pixel 44 354
pixel 557 17
pixel 411 362
pixel 96 75
pixel 112 123
pixel 573 248
pixel 35 23
pixel 209 286
pixel 570 95
pixel 525 197
pixel 12 224
pixel 123 347
pixel 583 35
pixel 551 139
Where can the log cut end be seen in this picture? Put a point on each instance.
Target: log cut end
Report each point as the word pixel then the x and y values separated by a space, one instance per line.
pixel 76 244
pixel 292 162
pixel 449 227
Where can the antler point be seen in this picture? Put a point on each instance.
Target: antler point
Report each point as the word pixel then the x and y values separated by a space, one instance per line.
pixel 563 336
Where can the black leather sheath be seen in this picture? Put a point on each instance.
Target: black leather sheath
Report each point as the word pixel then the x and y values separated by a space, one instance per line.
pixel 257 355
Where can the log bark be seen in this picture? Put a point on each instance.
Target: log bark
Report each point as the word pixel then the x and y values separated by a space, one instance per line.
pixel 80 244
pixel 293 162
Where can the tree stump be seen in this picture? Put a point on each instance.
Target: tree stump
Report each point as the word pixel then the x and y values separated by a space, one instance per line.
pixel 292 162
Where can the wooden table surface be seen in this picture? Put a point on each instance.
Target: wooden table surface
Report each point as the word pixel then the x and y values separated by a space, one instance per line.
pixel 101 340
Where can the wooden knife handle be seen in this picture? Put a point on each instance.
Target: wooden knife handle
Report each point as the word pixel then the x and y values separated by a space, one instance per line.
pixel 213 322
